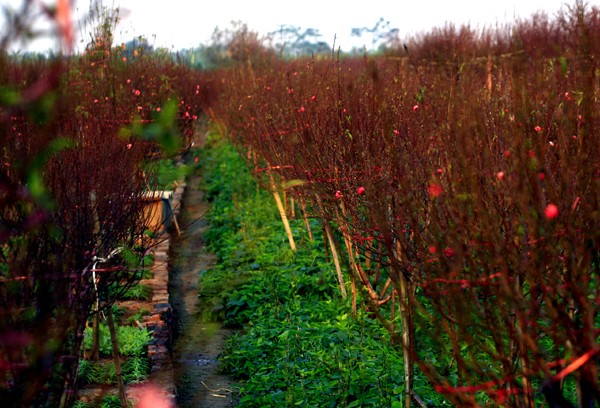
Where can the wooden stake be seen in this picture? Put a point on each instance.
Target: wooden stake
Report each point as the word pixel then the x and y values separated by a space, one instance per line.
pixel 336 260
pixel 284 219
pixel 306 222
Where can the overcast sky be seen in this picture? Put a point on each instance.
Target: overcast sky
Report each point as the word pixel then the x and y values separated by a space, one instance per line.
pixel 188 23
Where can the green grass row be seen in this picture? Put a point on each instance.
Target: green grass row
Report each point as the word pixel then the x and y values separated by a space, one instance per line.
pixel 298 344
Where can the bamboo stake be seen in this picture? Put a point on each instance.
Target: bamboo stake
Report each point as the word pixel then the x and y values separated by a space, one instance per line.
pixel 336 261
pixel 325 243
pixel 284 219
pixel 306 222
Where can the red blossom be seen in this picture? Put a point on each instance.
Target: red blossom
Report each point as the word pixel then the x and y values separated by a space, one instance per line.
pixel 338 194
pixel 435 190
pixel 500 175
pixel 361 190
pixel 551 211
pixel 449 252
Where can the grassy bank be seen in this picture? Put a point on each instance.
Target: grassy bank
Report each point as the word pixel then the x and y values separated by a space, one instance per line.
pixel 298 344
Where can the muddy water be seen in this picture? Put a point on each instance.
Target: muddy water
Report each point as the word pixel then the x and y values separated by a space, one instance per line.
pixel 197 343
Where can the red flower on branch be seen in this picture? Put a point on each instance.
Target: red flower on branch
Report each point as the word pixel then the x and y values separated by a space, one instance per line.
pixel 435 190
pixel 551 211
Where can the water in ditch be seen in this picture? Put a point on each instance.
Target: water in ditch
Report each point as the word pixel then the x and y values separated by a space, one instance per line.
pixel 197 343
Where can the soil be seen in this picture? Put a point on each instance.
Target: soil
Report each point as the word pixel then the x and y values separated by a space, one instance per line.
pixel 197 343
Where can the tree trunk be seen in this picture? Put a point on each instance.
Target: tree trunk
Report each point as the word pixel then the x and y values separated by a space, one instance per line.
pixel 115 349
pixel 407 338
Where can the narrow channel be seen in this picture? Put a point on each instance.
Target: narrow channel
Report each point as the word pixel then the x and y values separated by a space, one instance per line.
pixel 197 343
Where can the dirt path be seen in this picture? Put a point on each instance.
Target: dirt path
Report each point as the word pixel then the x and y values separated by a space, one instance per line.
pixel 196 344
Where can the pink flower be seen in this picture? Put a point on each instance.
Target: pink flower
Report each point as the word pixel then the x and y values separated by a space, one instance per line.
pixel 338 194
pixel 129 146
pixel 432 249
pixel 435 190
pixel 137 92
pixel 396 132
pixel 449 252
pixel 158 109
pixel 415 108
pixel 551 211
pixel 361 190
pixel 313 98
pixel 538 129
pixel 500 175
pixel 301 109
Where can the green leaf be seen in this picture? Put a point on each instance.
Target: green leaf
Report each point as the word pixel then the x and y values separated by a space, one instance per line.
pixel 293 183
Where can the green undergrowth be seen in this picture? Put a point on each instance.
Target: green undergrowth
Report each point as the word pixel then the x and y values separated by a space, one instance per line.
pixel 298 344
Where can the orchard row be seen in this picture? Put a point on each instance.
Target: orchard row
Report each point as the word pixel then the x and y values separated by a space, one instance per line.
pixel 464 192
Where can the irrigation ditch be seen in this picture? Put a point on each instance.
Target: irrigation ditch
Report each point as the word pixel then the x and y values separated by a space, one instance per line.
pixel 197 341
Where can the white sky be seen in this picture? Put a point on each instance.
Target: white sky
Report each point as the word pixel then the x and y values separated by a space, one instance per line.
pixel 180 24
